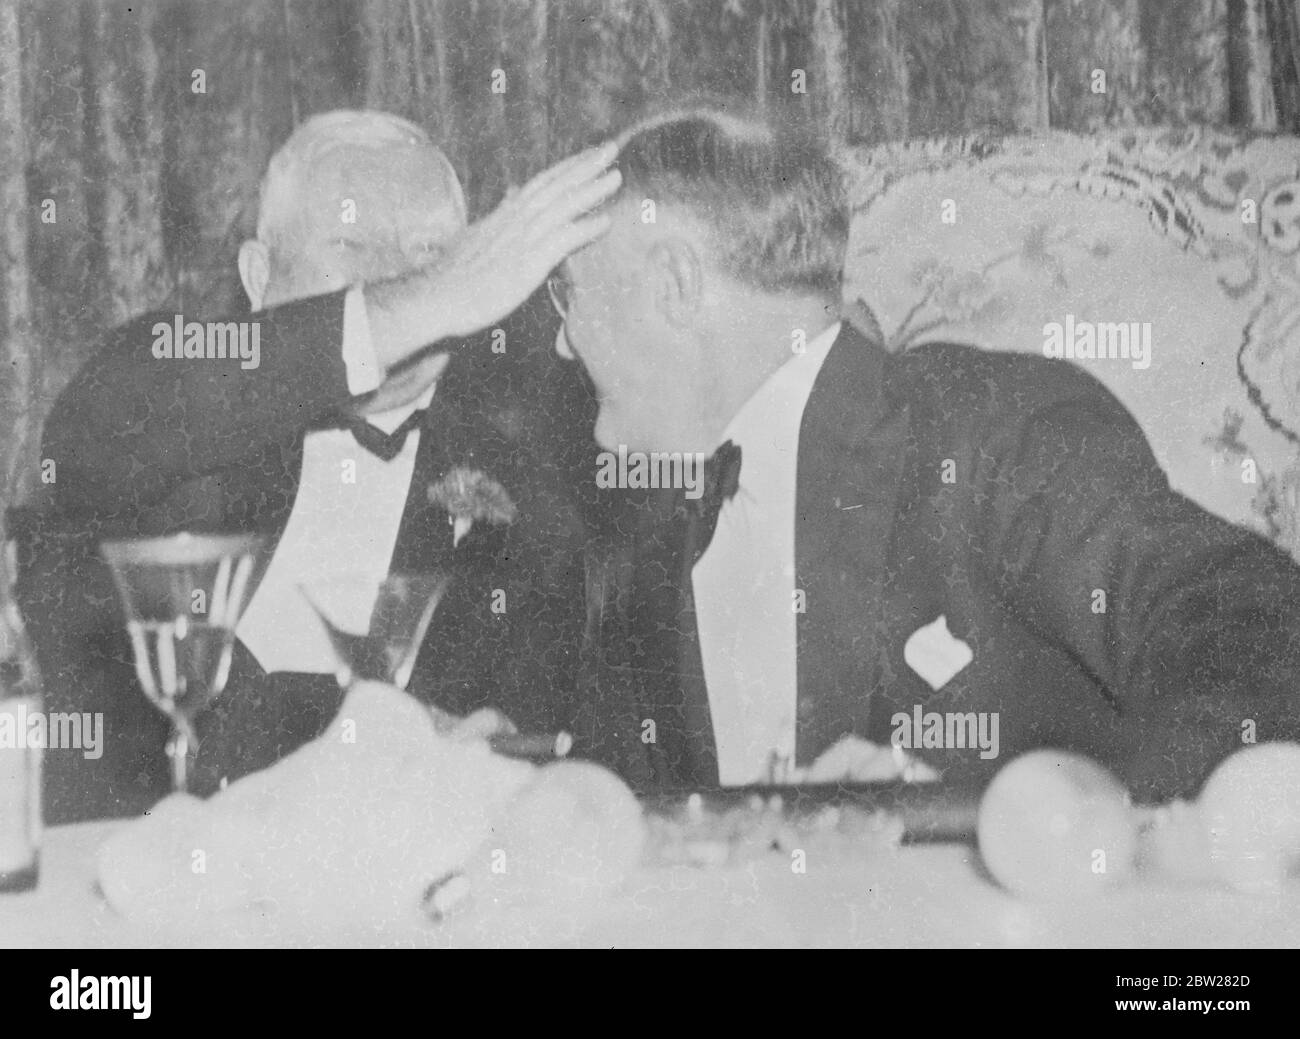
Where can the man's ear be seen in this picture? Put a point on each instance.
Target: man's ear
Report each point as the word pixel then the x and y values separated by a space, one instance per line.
pixel 678 273
pixel 254 271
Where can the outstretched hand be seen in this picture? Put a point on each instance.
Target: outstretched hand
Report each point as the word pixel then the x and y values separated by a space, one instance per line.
pixel 497 263
pixel 494 265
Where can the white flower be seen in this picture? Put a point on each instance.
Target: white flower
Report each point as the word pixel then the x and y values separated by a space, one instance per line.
pixel 469 495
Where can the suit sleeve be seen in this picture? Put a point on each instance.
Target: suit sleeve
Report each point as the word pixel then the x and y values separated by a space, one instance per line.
pixel 131 426
pixel 1190 623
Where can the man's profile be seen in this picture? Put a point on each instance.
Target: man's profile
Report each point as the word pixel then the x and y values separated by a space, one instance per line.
pixel 945 532
pixel 379 375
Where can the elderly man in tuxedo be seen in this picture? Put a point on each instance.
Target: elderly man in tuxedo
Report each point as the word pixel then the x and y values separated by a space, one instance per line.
pixel 943 533
pixel 397 347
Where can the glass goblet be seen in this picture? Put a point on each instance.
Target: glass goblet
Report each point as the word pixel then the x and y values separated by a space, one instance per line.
pixel 183 595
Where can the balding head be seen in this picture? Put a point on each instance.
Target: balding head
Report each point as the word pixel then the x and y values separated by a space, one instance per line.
pixel 350 197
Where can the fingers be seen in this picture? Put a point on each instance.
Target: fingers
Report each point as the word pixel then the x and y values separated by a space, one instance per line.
pixel 504 257
pixel 541 181
pixel 542 254
pixel 564 174
pixel 480 725
pixel 483 723
pixel 573 182
pixel 575 202
pixel 530 218
pixel 574 237
pixel 563 229
pixel 855 760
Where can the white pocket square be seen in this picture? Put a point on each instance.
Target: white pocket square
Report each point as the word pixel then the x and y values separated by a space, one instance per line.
pixel 936 654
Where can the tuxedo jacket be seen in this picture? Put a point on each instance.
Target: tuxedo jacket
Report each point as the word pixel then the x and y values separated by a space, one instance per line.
pixel 1016 498
pixel 143 446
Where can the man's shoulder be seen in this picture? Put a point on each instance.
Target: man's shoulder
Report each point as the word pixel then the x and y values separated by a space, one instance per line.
pixel 310 317
pixel 116 346
pixel 967 382
pixel 138 331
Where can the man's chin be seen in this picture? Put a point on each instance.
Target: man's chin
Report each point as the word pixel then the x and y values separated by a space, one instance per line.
pixel 607 431
pixel 612 434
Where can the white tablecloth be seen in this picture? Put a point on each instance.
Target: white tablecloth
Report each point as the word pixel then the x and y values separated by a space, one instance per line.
pixel 927 895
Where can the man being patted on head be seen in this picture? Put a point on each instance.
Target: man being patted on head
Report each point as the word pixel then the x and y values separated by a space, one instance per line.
pixel 389 358
pixel 941 534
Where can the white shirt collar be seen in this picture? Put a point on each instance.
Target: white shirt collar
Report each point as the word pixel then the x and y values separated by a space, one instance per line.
pixel 390 420
pixel 786 388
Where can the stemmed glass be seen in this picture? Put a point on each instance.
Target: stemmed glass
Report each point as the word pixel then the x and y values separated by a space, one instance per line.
pixel 183 596
pixel 376 624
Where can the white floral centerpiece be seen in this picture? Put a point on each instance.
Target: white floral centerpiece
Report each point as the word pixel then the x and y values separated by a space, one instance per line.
pixel 470 496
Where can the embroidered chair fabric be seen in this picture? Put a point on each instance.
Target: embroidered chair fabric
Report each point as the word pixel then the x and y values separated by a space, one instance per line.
pixel 1191 237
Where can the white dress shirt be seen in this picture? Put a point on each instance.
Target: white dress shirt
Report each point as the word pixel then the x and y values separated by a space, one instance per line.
pixel 744 583
pixel 344 520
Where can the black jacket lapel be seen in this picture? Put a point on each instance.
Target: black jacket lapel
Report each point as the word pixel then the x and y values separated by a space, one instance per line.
pixel 854 444
pixel 425 536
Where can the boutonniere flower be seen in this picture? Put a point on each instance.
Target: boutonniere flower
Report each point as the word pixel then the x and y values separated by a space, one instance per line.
pixel 469 496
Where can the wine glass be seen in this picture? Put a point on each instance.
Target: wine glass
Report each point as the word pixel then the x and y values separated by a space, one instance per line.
pixel 376 624
pixel 183 595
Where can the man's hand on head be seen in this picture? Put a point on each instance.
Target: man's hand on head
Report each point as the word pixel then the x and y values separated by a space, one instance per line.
pixel 494 265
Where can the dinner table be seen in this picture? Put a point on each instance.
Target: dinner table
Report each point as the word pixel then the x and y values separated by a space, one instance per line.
pixel 926 894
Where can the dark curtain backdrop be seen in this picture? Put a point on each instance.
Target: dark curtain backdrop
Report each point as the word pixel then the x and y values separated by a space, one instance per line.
pixel 133 132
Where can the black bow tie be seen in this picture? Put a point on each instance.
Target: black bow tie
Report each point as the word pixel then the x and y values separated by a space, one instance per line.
pixel 384 446
pixel 721 481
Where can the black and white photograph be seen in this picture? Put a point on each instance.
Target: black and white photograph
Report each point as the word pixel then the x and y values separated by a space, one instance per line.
pixel 621 474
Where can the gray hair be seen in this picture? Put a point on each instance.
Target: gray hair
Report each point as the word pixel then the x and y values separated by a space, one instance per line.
pixel 321 136
pixel 773 196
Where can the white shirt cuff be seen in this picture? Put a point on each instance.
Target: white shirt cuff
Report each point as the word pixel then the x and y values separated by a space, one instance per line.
pixel 358 349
